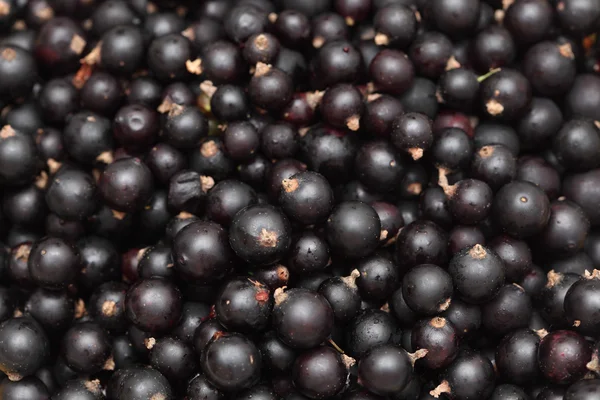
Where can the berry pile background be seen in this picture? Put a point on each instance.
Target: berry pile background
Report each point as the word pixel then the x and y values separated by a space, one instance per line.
pixel 300 199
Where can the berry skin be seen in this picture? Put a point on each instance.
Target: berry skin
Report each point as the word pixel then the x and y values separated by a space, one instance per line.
pixel 454 17
pixel 276 356
pixel 174 359
pixel 427 289
pixel 54 263
pixel 138 383
pixel 563 356
pixel 308 254
pixel 566 231
pixel 306 197
pixel 521 209
pixel 353 229
pixel 80 389
pixel 439 337
pixel 583 390
pixel 581 303
pixel 421 242
pixel 470 376
pixel 126 185
pixel 470 201
pixel 86 347
pixel 260 234
pixel 201 252
pixel 53 309
pixel 494 164
pixel 24 347
pixel 510 309
pixel 412 132
pixel 395 24
pixel 343 296
pixel 226 198
pixel 477 274
pixel 17 71
pixel 153 305
pixel 385 369
pixel 231 362
pixel 244 305
pixel 581 188
pixel 516 356
pixel 319 373
pixel 392 72
pixel 577 145
pixel 342 106
pixel 505 95
pixel 199 388
pixel 379 166
pixel 27 388
pixel 270 88
pixel 302 318
pixel 371 328
pixel 17 157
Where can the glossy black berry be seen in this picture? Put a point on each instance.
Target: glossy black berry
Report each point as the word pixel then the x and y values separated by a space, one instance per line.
pixel 454 17
pixel 471 375
pixel 521 209
pixel 452 148
pixel 17 157
pixel 53 309
pixel 430 53
pixel 241 141
pixel 229 103
pixel 563 355
pixel 306 197
pixel 342 106
pixel 136 127
pixel 505 95
pixel 126 184
pixel 154 304
pixel 174 359
pixel 550 67
pixel 138 383
pixel 385 369
pixel 477 274
pixel 244 305
pixel 260 234
pixel 337 61
pixel 24 347
pixel 353 229
pixel 167 56
pixel 107 306
pixel 121 49
pixel 86 347
pixel 270 88
pixel 319 373
pixel 510 309
pixel 231 362
pixel 185 127
pixel 201 252
pixel 440 338
pixel 276 356
pixel 371 328
pixel 28 388
pixel 395 24
pixel 421 242
pixel 579 304
pixel 54 263
pixel 391 71
pixel 302 318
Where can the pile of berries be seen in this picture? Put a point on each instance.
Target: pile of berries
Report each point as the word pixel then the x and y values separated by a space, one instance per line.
pixel 300 199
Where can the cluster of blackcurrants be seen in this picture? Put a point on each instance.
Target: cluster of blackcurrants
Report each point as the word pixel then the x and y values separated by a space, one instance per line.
pixel 300 199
